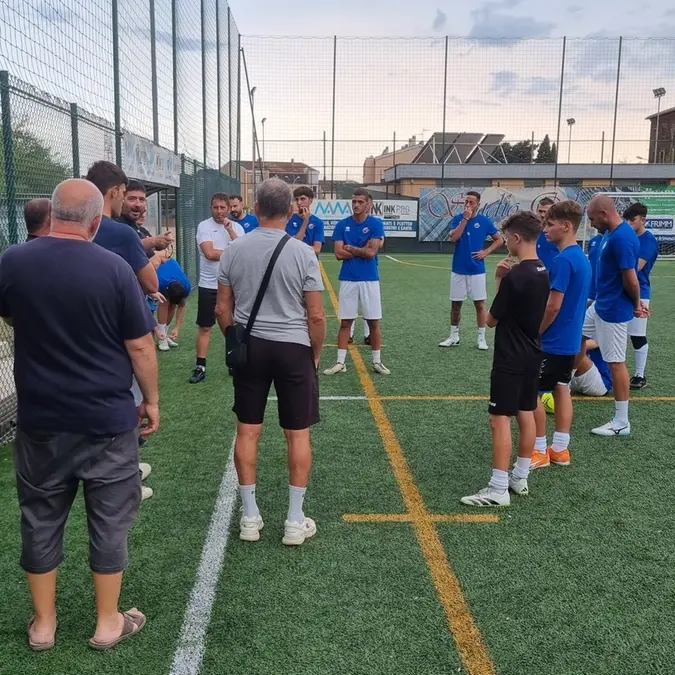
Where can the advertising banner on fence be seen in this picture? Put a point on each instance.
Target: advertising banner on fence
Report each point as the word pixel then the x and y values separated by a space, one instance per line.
pixel 399 216
pixel 145 161
pixel 438 206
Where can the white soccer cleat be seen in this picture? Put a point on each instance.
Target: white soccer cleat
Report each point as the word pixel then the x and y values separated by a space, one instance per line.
pixel 145 470
pixel 337 368
pixel 296 533
pixel 518 485
pixel 249 528
pixel 452 341
pixel 171 343
pixel 163 345
pixel 146 493
pixel 381 369
pixel 612 428
pixel 482 344
pixel 488 497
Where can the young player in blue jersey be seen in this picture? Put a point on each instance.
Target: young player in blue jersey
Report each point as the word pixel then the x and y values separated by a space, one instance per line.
pixel 593 255
pixel 546 250
pixel 303 225
pixel 468 232
pixel 247 221
pixel 617 302
pixel 561 328
pixel 357 242
pixel 636 216
pixel 175 287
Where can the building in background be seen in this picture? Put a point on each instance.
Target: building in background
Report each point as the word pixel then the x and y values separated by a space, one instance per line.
pixel 664 152
pixel 374 167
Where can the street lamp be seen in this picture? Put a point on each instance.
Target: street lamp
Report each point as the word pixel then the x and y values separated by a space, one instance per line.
pixel 659 93
pixel 252 95
pixel 570 123
pixel 264 119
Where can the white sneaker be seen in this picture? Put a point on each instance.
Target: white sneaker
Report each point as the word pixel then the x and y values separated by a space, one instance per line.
pixel 145 470
pixel 337 368
pixel 488 497
pixel 482 344
pixel 452 341
pixel 296 533
pixel 249 528
pixel 146 493
pixel 171 342
pixel 163 345
pixel 518 485
pixel 381 369
pixel 613 428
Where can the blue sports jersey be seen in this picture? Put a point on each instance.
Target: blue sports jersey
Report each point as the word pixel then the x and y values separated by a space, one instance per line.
pixel 359 234
pixel 472 240
pixel 313 233
pixel 546 251
pixel 600 363
pixel 249 222
pixel 593 255
pixel 169 272
pixel 619 251
pixel 649 251
pixel 570 274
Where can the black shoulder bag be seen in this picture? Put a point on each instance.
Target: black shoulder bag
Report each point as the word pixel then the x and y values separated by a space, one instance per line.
pixel 237 335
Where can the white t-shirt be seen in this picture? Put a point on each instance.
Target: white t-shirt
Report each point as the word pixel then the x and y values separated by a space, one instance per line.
pixel 210 230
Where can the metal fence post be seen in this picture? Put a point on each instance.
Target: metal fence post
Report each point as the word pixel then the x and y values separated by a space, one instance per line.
pixel 8 149
pixel 560 101
pixel 229 90
pixel 445 104
pixel 174 49
pixel 75 139
pixel 616 109
pixel 332 142
pixel 116 82
pixel 220 121
pixel 204 116
pixel 153 66
pixel 239 108
pixel 180 239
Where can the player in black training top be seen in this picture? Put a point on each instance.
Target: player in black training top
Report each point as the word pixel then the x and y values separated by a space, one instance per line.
pixel 517 312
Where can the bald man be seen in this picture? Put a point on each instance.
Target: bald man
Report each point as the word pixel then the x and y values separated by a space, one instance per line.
pixel 76 418
pixel 617 301
pixel 37 214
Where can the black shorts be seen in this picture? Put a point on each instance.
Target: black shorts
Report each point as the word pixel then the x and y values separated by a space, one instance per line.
pixel 511 393
pixel 290 367
pixel 206 307
pixel 555 369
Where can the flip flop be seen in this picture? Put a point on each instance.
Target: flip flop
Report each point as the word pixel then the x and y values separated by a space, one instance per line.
pixel 133 623
pixel 39 646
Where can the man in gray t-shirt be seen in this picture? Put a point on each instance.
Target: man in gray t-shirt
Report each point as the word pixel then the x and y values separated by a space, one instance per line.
pixel 284 349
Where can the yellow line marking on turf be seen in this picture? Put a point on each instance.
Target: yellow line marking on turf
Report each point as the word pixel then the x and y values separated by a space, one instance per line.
pixel 407 518
pixel 470 646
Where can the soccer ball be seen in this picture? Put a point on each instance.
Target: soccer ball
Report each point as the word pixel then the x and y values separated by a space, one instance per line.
pixel 547 402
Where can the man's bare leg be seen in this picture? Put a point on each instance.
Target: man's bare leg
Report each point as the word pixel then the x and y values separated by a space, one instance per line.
pixel 203 337
pixel 109 621
pixel 43 592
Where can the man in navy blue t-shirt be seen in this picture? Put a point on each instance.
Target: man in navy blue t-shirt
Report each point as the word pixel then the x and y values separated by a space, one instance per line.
pixel 561 328
pixel 546 250
pixel 636 216
pixel 247 220
pixel 468 232
pixel 78 340
pixel 357 242
pixel 303 225
pixel 617 302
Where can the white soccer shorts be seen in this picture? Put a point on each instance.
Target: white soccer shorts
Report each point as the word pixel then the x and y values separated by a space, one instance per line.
pixel 365 292
pixel 589 384
pixel 473 286
pixel 638 327
pixel 611 337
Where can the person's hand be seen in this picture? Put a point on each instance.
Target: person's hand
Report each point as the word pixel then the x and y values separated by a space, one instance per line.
pixel 480 255
pixel 162 241
pixel 503 266
pixel 316 363
pixel 174 334
pixel 304 214
pixel 641 311
pixel 468 213
pixel 157 297
pixel 149 412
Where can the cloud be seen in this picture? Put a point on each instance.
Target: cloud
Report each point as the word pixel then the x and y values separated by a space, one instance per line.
pixel 508 83
pixel 440 20
pixel 492 21
pixel 575 10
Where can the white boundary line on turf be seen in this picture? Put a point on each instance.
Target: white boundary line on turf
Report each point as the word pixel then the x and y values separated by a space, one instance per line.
pixel 391 257
pixel 187 659
pixel 332 398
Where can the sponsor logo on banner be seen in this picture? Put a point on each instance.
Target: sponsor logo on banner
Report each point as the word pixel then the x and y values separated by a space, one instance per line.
pixel 399 216
pixel 147 162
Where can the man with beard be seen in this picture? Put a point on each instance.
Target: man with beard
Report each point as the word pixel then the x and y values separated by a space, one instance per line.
pixel 247 220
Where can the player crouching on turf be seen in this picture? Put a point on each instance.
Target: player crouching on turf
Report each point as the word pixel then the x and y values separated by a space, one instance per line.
pixel 517 313
pixel 176 287
pixel 570 280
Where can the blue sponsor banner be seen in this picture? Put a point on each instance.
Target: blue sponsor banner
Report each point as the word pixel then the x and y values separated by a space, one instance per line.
pixel 400 217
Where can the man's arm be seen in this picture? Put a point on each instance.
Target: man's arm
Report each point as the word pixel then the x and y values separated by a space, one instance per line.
pixel 209 251
pixel 458 231
pixel 225 307
pixel 632 286
pixel 143 357
pixel 341 252
pixel 370 250
pixel 316 322
pixel 147 278
pixel 491 321
pixel 317 247
pixel 180 314
pixel 160 242
pixel 232 230
pixel 641 263
pixel 497 242
pixel 303 227
pixel 555 300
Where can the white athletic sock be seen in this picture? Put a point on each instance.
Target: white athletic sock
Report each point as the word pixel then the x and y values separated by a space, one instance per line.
pixel 561 441
pixel 540 444
pixel 247 494
pixel 296 496
pixel 342 355
pixel 454 331
pixel 366 329
pixel 499 480
pixel 162 329
pixel 377 356
pixel 522 467
pixel 481 333
pixel 351 330
pixel 641 360
pixel 621 412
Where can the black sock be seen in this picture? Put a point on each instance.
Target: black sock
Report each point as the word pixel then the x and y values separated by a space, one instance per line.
pixel 202 363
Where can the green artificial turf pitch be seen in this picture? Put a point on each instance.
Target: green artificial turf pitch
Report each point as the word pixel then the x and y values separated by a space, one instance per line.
pixel 575 579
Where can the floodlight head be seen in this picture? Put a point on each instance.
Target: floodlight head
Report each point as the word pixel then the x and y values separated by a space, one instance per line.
pixel 253 90
pixel 571 121
pixel 659 92
pixel 264 119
